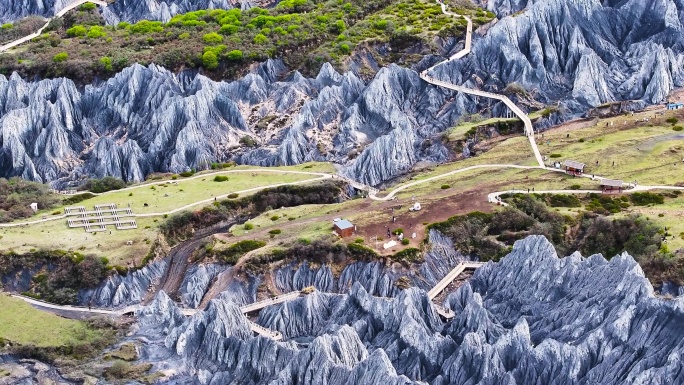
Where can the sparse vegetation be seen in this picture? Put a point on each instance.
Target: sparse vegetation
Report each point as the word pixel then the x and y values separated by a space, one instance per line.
pixel 231 254
pixel 489 236
pixel 105 184
pixel 180 226
pixel 225 42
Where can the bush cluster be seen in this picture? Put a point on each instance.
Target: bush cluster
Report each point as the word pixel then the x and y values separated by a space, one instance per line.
pixel 489 236
pixel 16 196
pixel 180 226
pixel 59 274
pixel 107 183
pixel 231 254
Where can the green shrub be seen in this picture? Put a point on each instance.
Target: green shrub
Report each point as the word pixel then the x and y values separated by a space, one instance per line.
pixel 87 6
pixel 184 36
pixel 382 24
pixel 672 121
pixel 220 178
pixel 7 26
pixel 344 48
pixel 233 195
pixel 563 200
pixel 405 241
pixel 106 63
pixel 72 200
pixel 96 31
pixel 60 57
pixel 646 198
pixel 575 187
pixel 445 186
pixel 555 155
pixel 275 232
pixel 234 55
pixel 275 218
pixel 260 39
pixel 229 29
pixel 398 231
pixel 358 240
pixel 235 251
pixel 105 184
pixel 210 60
pixel 186 174
pixel 77 31
pixel 581 140
pixel 408 255
pixel 248 226
pixel 677 128
pixel 123 25
pixel 212 38
pixel 146 27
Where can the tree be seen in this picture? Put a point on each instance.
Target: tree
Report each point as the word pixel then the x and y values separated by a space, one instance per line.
pixel 212 38
pixel 210 60
pixel 60 57
pixel 235 54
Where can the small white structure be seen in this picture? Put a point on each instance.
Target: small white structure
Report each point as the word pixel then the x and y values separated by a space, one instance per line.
pixel 389 245
pixel 34 206
pixel 416 207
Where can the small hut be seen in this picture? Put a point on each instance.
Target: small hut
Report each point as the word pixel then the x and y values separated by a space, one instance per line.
pixel 343 228
pixel 609 186
pixel 573 168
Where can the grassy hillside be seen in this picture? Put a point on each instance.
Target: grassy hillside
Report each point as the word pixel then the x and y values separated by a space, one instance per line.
pixel 21 324
pixel 304 33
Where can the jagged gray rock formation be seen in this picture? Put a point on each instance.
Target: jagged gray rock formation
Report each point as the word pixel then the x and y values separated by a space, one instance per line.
pixel 533 318
pixel 196 282
pixel 18 371
pixel 376 278
pixel 131 289
pixel 147 119
pixel 162 10
pixel 607 51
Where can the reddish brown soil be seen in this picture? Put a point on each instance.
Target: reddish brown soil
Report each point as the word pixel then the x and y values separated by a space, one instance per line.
pixel 438 209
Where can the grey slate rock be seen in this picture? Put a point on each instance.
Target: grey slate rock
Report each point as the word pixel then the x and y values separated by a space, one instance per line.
pixel 120 291
pixel 531 318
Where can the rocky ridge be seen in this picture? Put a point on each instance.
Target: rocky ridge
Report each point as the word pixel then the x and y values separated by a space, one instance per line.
pixel 584 320
pixel 376 278
pixel 604 52
pixel 146 119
